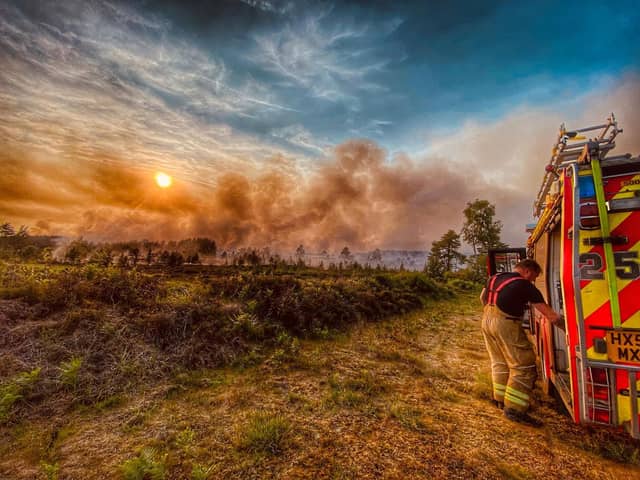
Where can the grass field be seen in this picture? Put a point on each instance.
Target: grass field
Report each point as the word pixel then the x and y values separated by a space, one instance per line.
pixel 256 374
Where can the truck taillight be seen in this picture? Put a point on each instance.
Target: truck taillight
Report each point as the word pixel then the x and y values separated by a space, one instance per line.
pixel 589 218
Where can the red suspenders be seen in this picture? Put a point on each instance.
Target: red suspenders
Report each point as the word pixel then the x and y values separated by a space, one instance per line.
pixel 492 295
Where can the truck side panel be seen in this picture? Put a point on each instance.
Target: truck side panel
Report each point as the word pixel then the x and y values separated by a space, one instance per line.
pixel 600 319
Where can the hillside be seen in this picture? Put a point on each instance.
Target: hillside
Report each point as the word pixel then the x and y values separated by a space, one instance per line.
pixel 406 397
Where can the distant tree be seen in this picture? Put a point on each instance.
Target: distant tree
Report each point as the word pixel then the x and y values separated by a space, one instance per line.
pixel 175 259
pixel 77 251
pixel 29 253
pixel 135 255
pixel 480 230
pixel 123 260
pixel 7 230
pixel 164 257
pixel 206 246
pixel 376 256
pixel 12 243
pixel 253 258
pixel 345 254
pixel 300 251
pixel 444 255
pixel 103 256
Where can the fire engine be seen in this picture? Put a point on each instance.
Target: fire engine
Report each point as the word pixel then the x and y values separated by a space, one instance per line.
pixel 587 241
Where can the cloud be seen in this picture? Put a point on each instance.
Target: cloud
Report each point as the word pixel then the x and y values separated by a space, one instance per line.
pixel 107 79
pixel 279 7
pixel 330 58
pixel 298 136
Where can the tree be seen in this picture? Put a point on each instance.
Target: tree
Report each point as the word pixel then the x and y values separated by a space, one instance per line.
pixel 175 259
pixel 7 230
pixel 444 255
pixel 103 256
pixel 345 254
pixel 376 256
pixel 77 251
pixel 135 255
pixel 480 230
pixel 206 246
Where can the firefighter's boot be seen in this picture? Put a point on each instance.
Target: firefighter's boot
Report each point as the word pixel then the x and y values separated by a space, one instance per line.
pixel 521 417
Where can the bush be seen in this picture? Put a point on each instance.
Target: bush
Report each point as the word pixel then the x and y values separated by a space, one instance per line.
pixel 110 330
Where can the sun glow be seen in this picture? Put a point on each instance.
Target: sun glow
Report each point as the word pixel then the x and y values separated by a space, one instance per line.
pixel 163 180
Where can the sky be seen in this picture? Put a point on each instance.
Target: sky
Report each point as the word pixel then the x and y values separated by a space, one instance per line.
pixel 367 124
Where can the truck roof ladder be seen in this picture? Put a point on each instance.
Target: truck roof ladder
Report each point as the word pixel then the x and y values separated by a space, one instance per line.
pixel 566 151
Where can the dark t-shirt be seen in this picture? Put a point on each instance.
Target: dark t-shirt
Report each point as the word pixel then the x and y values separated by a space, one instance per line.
pixel 513 298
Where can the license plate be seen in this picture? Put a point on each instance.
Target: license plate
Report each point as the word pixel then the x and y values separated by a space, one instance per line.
pixel 623 346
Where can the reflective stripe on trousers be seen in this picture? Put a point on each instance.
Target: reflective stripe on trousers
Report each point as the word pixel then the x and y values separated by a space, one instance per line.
pixel 513 363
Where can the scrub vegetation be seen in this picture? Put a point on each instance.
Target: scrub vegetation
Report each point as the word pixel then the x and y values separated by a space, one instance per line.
pixel 263 372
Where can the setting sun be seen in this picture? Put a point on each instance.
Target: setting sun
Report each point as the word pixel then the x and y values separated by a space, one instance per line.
pixel 163 180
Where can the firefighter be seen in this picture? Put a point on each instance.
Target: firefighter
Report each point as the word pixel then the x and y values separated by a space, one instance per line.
pixel 513 362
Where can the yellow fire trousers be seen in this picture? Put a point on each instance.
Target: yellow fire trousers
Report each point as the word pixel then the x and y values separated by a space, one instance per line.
pixel 513 363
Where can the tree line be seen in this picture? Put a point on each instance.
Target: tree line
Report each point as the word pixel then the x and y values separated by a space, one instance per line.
pixel 17 244
pixel 481 231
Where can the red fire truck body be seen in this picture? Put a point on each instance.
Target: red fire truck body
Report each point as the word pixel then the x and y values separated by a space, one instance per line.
pixel 587 240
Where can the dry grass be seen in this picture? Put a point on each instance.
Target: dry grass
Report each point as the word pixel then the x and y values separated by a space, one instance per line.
pixel 399 399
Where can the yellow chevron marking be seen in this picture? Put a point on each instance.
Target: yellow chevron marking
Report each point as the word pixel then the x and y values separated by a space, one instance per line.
pixel 596 293
pixel 615 219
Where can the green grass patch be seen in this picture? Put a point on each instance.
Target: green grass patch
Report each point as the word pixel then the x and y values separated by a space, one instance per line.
pixel 265 433
pixel 201 472
pixel 50 470
pixel 70 373
pixel 148 465
pixel 358 391
pixel 407 416
pixel 15 390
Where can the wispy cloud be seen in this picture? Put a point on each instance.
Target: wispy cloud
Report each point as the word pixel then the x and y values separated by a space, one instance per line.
pixel 275 6
pixel 108 81
pixel 329 58
pixel 299 136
